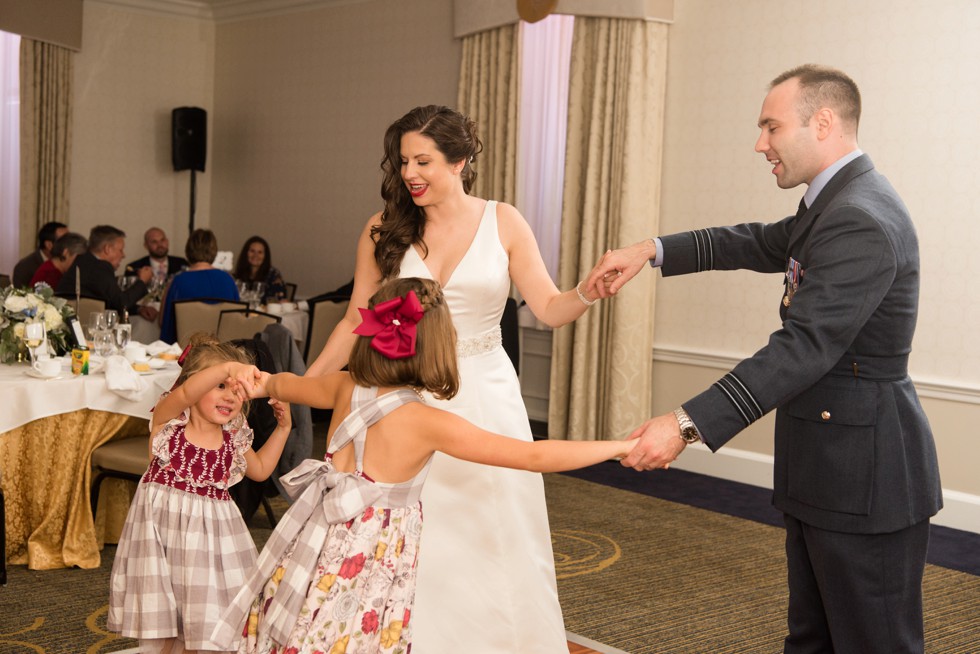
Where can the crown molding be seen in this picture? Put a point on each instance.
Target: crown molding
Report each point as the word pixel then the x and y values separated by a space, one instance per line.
pixel 221 11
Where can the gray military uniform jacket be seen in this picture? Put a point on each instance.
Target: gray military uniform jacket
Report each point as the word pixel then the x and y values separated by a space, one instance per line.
pixel 853 448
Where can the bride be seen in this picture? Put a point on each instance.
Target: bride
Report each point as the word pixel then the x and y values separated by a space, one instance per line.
pixel 486 578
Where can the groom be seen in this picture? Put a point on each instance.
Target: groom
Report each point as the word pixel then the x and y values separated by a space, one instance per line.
pixel 856 474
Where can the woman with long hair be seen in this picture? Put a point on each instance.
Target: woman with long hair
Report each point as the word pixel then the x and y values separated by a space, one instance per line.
pixel 255 265
pixel 486 580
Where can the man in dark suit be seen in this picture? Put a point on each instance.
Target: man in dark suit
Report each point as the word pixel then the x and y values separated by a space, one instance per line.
pixel 158 258
pixel 26 267
pixel 96 271
pixel 855 468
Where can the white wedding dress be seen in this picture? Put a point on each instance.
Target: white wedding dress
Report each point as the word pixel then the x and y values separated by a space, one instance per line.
pixel 486 578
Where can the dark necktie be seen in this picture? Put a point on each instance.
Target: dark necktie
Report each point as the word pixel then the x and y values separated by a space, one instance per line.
pixel 802 209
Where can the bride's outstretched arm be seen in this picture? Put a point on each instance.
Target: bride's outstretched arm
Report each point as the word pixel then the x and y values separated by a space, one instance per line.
pixel 527 270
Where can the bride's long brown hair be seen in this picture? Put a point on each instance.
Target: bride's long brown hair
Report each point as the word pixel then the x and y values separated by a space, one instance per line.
pixel 402 222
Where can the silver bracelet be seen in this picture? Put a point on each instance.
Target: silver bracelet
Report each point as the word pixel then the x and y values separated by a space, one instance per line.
pixel 586 301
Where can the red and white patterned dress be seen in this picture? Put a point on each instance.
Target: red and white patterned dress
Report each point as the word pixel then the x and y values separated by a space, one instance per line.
pixel 185 550
pixel 338 572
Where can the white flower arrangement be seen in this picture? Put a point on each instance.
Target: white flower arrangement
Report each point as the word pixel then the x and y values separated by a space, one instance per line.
pixel 20 305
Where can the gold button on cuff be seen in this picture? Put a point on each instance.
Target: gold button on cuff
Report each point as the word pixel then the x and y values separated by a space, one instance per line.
pixel 825 415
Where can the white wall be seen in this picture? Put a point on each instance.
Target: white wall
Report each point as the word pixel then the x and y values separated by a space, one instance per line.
pixel 133 69
pixel 302 101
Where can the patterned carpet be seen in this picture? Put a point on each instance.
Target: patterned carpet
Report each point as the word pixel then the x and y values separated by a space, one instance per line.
pixel 636 573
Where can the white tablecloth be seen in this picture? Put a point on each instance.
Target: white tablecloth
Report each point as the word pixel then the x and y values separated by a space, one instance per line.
pixel 26 398
pixel 297 321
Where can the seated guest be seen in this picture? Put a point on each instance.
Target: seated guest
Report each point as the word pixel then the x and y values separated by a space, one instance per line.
pixel 255 265
pixel 159 259
pixel 96 270
pixel 26 267
pixel 201 279
pixel 63 254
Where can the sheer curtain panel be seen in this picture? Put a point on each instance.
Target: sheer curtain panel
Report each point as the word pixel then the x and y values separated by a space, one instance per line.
pixel 545 52
pixel 9 151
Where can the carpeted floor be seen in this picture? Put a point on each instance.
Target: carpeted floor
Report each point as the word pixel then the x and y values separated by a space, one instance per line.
pixel 636 572
pixel 647 575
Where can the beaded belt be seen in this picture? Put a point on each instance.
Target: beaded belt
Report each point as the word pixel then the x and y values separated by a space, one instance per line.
pixel 488 341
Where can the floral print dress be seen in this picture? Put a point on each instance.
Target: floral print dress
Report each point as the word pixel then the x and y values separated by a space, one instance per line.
pixel 338 573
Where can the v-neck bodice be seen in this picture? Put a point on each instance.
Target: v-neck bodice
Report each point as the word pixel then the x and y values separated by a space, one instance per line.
pixel 478 287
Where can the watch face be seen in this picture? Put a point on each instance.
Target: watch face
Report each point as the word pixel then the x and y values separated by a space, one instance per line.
pixel 689 435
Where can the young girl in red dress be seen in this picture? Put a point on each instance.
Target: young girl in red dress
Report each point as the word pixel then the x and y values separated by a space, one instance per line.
pixel 185 550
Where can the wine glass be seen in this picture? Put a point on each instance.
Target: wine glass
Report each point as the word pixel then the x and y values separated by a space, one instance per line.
pixel 123 333
pixel 96 324
pixel 103 343
pixel 111 319
pixel 33 337
pixel 258 293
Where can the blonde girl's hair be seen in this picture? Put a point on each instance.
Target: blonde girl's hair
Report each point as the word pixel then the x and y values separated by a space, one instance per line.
pixel 434 367
pixel 206 351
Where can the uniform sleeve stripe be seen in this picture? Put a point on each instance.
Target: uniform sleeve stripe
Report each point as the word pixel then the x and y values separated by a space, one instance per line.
pixel 704 248
pixel 740 396
pixel 734 403
pixel 746 393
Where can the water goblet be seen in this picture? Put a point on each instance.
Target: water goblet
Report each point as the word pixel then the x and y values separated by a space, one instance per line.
pixel 123 333
pixel 103 343
pixel 96 324
pixel 111 319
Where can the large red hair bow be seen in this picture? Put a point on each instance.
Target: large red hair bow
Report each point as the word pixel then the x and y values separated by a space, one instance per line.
pixel 391 325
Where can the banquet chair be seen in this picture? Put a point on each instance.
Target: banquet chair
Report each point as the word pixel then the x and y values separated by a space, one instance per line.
pixel 201 315
pixel 243 323
pixel 324 316
pixel 4 280
pixel 290 292
pixel 125 458
pixel 84 306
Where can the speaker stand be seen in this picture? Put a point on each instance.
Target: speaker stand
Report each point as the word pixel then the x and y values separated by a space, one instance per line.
pixel 190 229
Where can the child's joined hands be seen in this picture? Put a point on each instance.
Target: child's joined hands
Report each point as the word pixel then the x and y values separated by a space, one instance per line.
pixel 245 374
pixel 258 388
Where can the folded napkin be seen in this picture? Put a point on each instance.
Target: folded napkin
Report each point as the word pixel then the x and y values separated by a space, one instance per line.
pixel 303 305
pixel 120 378
pixel 156 348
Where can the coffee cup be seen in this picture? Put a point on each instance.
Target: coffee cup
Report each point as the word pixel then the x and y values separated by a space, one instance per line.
pixel 134 352
pixel 47 367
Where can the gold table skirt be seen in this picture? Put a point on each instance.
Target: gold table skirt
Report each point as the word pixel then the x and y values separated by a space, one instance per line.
pixel 46 478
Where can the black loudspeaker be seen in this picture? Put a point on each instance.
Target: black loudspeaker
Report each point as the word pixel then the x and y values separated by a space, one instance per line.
pixel 190 138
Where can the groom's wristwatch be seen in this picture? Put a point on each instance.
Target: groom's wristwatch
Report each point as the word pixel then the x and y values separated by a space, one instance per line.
pixel 689 433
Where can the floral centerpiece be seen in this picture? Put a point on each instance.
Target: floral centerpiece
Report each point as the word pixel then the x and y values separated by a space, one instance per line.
pixel 19 305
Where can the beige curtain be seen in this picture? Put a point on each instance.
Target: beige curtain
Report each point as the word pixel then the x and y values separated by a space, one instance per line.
pixel 46 73
pixel 489 80
pixel 601 370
